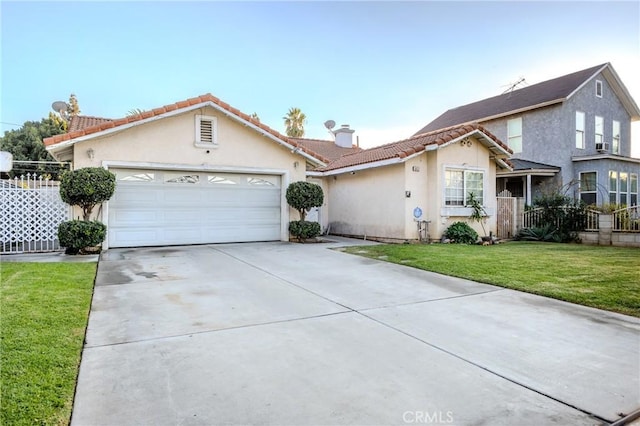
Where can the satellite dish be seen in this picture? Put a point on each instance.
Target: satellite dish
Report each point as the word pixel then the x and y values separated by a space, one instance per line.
pixel 59 106
pixel 329 124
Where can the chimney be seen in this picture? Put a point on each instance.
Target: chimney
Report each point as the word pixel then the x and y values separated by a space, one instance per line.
pixel 344 136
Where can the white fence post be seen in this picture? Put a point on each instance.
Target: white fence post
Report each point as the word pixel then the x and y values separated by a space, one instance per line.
pixel 30 211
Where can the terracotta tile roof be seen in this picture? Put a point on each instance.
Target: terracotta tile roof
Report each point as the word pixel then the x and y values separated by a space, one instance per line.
pixel 328 149
pixel 79 122
pixel 99 127
pixel 407 147
pixel 527 97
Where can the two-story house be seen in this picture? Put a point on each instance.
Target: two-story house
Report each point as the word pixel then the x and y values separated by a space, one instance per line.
pixel 572 133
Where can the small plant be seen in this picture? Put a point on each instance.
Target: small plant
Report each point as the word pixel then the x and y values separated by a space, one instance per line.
pixel 76 235
pixel 303 230
pixel 304 196
pixel 545 232
pixel 461 233
pixel 478 213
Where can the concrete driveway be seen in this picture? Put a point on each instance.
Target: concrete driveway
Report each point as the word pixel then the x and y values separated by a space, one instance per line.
pixel 290 334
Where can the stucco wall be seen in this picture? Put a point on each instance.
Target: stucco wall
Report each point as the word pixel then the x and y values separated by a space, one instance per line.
pixel 171 142
pixel 549 133
pixel 474 157
pixel 368 203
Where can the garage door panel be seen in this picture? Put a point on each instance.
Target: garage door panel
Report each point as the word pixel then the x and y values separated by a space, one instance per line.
pixel 162 211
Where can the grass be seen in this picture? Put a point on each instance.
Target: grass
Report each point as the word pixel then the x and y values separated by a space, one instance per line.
pixel 600 277
pixel 45 307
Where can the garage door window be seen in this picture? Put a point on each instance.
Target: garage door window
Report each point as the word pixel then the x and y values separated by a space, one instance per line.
pixel 258 181
pixel 135 176
pixel 221 180
pixel 181 178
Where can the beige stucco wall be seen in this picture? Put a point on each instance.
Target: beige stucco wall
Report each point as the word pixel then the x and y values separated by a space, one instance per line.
pixel 373 202
pixel 456 155
pixel 170 142
pixel 368 203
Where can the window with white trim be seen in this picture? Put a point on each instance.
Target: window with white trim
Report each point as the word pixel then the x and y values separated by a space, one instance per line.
pixel 206 131
pixel 458 185
pixel 588 182
pixel 623 186
pixel 615 137
pixel 598 88
pixel 514 134
pixel 633 189
pixel 599 132
pixel 613 187
pixel 580 129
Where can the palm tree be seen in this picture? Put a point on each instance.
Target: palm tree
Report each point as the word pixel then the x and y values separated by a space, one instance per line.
pixel 133 112
pixel 294 122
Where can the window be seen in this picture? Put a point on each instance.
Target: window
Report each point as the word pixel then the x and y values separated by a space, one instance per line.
pixel 181 178
pixel 599 131
pixel 598 88
pixel 588 187
pixel 514 137
pixel 135 176
pixel 458 185
pixel 633 189
pixel 206 131
pixel 221 180
pixel 623 186
pixel 615 138
pixel 579 129
pixel 613 187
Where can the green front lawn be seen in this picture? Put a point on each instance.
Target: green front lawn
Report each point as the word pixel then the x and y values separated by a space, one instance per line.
pixel 601 277
pixel 45 307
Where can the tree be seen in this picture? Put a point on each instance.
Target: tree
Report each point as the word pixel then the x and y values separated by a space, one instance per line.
pixel 87 187
pixel 73 109
pixel 25 144
pixel 304 196
pixel 294 122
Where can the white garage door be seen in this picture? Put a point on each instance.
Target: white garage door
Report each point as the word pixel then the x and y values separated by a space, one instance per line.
pixel 159 207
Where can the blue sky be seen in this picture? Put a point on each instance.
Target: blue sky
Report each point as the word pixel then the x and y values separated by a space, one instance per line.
pixel 385 68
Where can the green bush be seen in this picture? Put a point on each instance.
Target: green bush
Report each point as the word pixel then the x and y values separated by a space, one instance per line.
pixel 76 235
pixel 87 187
pixel 304 196
pixel 301 229
pixel 560 213
pixel 461 233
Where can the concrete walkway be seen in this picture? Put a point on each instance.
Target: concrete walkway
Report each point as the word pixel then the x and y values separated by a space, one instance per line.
pixel 290 334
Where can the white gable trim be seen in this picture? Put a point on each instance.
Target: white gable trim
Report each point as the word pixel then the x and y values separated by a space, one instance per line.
pixel 294 149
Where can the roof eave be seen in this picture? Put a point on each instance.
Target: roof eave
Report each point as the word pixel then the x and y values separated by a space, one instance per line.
pixel 295 149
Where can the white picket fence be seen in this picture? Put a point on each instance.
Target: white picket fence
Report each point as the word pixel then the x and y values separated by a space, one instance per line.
pixel 30 211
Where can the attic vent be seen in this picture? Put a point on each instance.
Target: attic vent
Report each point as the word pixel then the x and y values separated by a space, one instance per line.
pixel 206 131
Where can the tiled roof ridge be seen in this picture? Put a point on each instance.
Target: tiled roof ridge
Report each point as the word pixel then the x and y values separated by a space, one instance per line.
pixel 93 117
pixel 440 137
pixel 208 97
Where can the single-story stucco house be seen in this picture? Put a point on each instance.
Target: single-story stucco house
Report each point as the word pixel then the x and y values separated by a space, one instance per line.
pixel 200 171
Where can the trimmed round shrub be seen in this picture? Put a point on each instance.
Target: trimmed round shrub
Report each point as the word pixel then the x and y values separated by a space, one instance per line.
pixel 304 196
pixel 76 235
pixel 87 187
pixel 302 230
pixel 461 233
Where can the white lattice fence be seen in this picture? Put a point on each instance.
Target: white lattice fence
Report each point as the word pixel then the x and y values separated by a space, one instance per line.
pixel 30 211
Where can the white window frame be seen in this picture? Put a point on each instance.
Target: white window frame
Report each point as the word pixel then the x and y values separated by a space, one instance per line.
pixel 511 137
pixel 599 88
pixel 580 125
pixel 214 131
pixel 457 209
pixel 615 137
pixel 598 137
pixel 633 192
pixel 614 192
pixel 595 185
